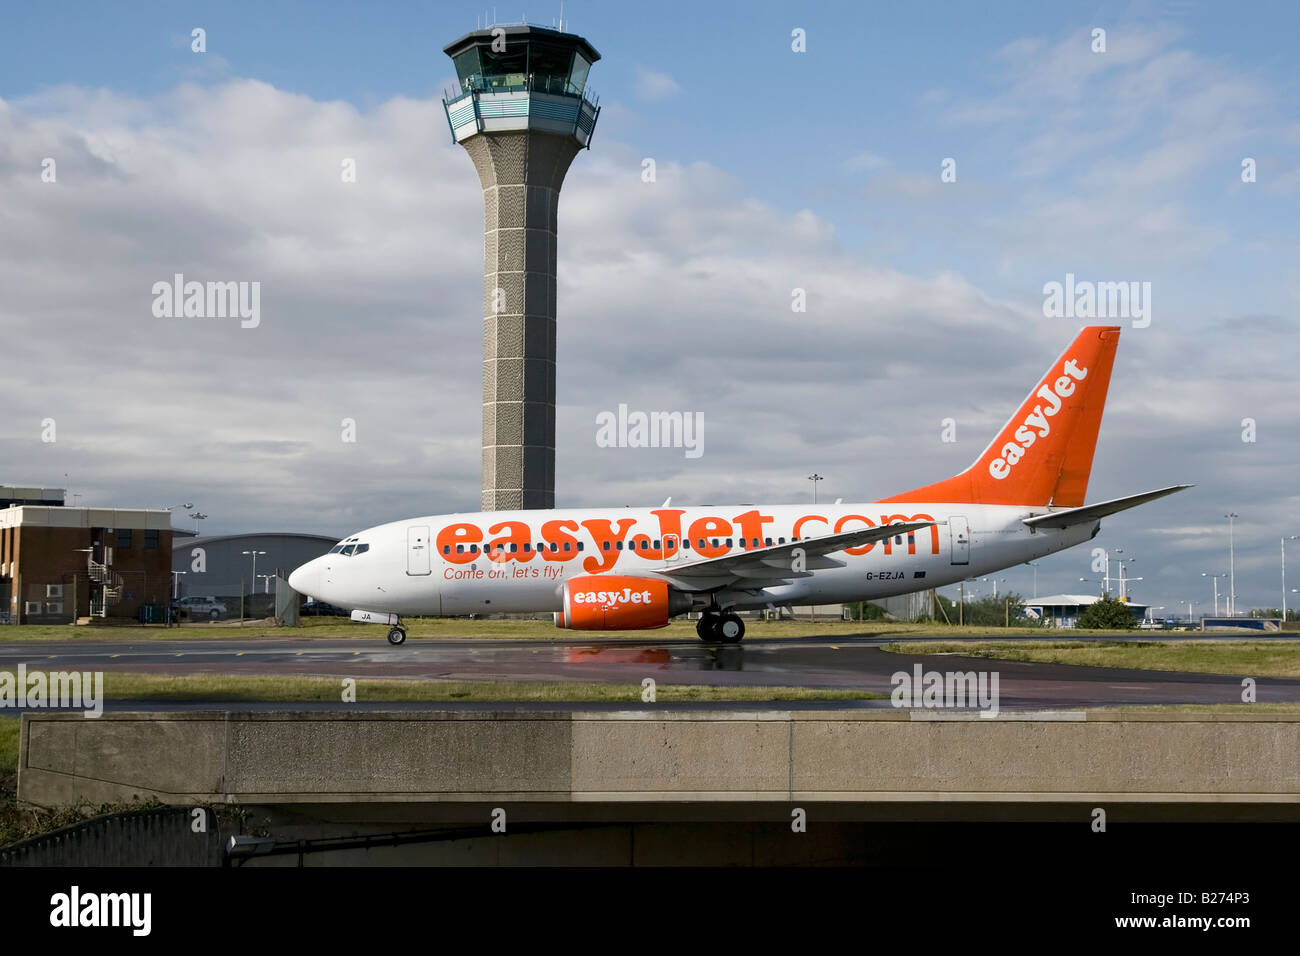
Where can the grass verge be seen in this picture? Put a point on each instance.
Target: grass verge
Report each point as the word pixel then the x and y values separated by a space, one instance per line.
pixel 1262 659
pixel 219 688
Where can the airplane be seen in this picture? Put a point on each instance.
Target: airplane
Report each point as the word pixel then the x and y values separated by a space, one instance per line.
pixel 617 569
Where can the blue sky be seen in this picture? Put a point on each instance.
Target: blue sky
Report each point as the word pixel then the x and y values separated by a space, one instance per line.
pixel 818 170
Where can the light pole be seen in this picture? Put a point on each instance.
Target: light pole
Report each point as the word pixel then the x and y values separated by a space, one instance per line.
pixel 266 582
pixel 1285 538
pixel 1207 574
pixel 197 516
pixel 1123 582
pixel 814 478
pixel 1232 568
pixel 995 585
pixel 241 587
pixel 254 554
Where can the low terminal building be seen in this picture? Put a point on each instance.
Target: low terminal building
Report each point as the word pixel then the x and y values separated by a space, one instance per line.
pixel 1063 610
pixel 58 564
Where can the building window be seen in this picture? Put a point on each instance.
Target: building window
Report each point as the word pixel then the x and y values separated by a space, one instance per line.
pixel 123 538
pixel 151 540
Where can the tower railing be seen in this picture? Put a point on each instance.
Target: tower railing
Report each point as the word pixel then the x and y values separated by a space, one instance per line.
pixel 519 83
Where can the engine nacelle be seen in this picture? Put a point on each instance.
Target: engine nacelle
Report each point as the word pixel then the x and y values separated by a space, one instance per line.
pixel 613 602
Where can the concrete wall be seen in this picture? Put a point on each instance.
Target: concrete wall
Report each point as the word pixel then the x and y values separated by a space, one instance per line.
pixel 699 756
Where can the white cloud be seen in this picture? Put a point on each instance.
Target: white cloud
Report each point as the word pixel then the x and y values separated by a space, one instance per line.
pixel 653 85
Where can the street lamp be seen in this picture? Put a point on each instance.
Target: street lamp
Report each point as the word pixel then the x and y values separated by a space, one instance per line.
pixel 1207 574
pixel 814 478
pixel 1232 568
pixel 254 554
pixel 995 585
pixel 197 516
pixel 1289 537
pixel 1123 583
pixel 176 583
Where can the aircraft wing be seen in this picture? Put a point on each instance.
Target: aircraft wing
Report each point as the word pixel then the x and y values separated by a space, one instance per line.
pixel 774 564
pixel 1073 516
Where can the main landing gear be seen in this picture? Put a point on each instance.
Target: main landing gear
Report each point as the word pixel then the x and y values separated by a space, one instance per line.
pixel 716 628
pixel 397 635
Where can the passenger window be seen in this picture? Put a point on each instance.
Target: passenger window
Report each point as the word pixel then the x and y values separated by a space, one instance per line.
pixel 514 548
pixel 618 546
pixel 446 549
pixel 460 548
pixel 657 544
pixel 473 549
pixel 567 545
pixel 769 542
pixel 581 545
pixel 728 542
pixel 605 545
pixel 780 540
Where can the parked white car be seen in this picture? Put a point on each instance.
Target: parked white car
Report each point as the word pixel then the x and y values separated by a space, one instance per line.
pixel 197 607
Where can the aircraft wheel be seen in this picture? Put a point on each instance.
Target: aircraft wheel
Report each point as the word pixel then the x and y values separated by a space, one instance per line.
pixel 707 629
pixel 397 636
pixel 730 629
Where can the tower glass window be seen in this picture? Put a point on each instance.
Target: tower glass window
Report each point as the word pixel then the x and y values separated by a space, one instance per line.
pixel 467 66
pixel 506 68
pixel 548 67
pixel 578 77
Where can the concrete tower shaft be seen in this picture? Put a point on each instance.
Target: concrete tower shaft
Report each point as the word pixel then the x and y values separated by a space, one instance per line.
pixel 522 113
pixel 521 173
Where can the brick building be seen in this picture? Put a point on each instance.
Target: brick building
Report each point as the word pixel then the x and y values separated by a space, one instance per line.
pixel 58 564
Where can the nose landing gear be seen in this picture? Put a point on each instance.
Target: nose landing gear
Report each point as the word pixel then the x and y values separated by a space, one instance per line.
pixel 397 635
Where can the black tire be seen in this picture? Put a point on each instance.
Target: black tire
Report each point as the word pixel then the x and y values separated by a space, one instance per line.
pixel 396 636
pixel 730 629
pixel 213 614
pixel 707 628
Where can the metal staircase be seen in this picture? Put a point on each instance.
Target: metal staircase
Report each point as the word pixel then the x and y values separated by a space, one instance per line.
pixel 105 584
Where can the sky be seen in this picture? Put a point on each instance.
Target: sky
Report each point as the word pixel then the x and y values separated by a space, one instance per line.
pixel 775 170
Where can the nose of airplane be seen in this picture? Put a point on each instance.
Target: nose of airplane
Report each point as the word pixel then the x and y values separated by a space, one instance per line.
pixel 306 579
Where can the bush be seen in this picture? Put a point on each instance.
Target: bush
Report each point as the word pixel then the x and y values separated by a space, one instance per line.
pixel 1108 614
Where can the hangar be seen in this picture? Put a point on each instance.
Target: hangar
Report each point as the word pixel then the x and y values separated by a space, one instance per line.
pixel 229 566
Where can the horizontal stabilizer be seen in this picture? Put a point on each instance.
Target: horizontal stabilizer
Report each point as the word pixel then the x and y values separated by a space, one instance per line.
pixel 1073 516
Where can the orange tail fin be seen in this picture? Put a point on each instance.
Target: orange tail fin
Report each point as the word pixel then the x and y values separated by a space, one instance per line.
pixel 1043 455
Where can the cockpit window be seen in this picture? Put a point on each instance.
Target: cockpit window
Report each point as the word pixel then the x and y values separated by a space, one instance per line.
pixel 336 549
pixel 349 549
pixel 362 549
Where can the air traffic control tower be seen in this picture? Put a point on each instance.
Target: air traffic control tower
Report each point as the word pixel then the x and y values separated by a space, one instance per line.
pixel 522 113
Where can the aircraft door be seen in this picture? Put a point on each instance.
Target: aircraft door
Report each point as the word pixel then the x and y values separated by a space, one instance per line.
pixel 417 551
pixel 959 533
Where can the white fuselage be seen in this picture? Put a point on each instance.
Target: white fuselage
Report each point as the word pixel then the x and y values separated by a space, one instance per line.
pixel 436 565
